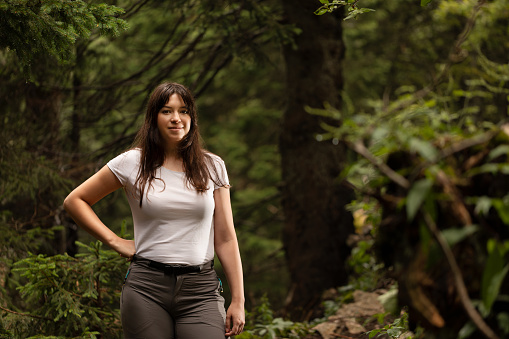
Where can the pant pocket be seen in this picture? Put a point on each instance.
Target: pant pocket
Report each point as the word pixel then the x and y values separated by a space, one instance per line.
pixel 203 283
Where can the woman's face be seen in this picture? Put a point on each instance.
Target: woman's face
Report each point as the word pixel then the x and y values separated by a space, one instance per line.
pixel 173 121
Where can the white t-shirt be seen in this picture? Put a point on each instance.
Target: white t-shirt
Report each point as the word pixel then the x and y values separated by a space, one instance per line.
pixel 175 224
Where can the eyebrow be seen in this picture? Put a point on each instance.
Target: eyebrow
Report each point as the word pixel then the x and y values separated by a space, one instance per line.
pixel 172 107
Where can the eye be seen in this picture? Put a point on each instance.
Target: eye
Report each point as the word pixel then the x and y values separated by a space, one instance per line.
pixel 185 111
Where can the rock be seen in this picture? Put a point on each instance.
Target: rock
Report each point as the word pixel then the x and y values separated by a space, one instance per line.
pixel 326 329
pixel 365 305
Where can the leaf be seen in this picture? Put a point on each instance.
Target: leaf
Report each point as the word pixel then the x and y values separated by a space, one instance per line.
pixel 503 322
pixel 394 332
pixel 325 2
pixel 417 194
pixel 455 235
pixel 424 148
pixel 498 151
pixel 321 11
pixel 502 209
pixel 494 287
pixel 380 133
pixel 389 301
pixel 373 333
pixel 493 276
pixel 467 330
pixel 425 3
pixel 483 205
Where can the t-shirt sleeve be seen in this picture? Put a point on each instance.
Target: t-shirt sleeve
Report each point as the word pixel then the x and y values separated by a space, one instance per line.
pixel 221 179
pixel 125 166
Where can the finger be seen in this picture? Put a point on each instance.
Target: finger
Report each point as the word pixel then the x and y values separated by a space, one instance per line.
pixel 232 331
pixel 227 325
pixel 236 328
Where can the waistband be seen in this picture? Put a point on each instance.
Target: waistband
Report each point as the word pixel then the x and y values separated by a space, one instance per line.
pixel 173 269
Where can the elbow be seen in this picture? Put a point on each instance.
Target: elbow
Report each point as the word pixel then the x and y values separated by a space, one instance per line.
pixel 68 202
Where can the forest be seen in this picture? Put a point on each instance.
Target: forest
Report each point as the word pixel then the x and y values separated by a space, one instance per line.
pixel 366 142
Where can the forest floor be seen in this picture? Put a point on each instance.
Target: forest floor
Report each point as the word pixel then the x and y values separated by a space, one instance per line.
pixel 354 319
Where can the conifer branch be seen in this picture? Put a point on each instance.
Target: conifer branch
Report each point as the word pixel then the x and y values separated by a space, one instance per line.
pixel 24 314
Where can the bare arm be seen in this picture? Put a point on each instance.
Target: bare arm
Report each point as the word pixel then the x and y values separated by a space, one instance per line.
pixel 227 250
pixel 79 205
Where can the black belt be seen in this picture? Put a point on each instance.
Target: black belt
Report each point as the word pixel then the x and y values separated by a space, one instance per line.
pixel 172 269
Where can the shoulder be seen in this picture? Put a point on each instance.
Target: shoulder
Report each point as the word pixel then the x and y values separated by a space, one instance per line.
pixel 214 161
pixel 217 170
pixel 132 156
pixel 213 157
pixel 126 161
pixel 126 165
pixel 133 153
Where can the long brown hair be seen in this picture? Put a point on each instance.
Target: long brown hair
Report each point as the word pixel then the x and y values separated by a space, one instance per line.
pixel 197 162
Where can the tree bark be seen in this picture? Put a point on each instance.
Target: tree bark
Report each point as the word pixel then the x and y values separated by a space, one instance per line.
pixel 316 222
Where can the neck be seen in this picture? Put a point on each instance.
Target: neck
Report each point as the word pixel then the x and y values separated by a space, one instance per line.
pixel 171 153
pixel 173 162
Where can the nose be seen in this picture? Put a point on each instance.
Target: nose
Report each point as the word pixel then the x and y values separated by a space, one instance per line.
pixel 175 117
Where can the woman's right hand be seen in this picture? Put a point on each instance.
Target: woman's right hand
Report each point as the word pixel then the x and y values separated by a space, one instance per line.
pixel 125 248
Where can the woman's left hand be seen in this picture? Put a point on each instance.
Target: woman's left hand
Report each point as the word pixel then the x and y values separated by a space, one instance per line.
pixel 235 319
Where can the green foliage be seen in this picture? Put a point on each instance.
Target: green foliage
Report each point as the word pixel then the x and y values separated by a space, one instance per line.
pixel 416 196
pixel 366 271
pixel 81 113
pixel 494 273
pixel 391 53
pixel 69 297
pixel 394 330
pixel 389 300
pixel 418 141
pixel 351 6
pixel 263 325
pixel 33 28
pixel 353 10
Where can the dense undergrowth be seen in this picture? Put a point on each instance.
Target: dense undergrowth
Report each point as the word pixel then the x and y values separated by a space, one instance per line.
pixel 78 297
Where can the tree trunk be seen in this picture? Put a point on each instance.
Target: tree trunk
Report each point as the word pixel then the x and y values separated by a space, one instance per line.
pixel 317 224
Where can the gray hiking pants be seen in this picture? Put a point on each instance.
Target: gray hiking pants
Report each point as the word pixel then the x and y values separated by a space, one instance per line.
pixel 168 305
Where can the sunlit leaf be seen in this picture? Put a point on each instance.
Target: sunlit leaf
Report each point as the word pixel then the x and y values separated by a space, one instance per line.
pixel 424 148
pixel 389 300
pixel 321 11
pixel 483 205
pixel 498 151
pixel 494 273
pixel 467 330
pixel 455 235
pixel 416 196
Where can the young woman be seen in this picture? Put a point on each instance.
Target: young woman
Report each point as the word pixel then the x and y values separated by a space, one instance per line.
pixel 180 203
